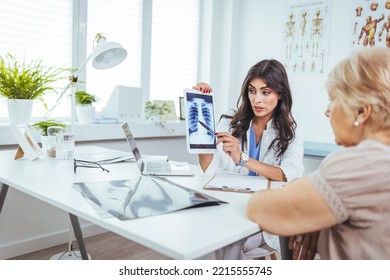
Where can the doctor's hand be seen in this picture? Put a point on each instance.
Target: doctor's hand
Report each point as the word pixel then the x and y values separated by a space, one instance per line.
pixel 203 87
pixel 304 246
pixel 230 145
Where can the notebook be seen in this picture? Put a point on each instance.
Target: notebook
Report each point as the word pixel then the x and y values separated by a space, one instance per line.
pixel 153 166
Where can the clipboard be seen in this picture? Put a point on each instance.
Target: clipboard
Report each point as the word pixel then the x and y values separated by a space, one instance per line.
pixel 235 182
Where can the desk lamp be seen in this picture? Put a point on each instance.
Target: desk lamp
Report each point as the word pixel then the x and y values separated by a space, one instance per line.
pixel 105 55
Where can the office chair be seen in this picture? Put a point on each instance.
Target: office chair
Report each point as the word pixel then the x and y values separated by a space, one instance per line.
pixel 285 252
pixel 271 256
pixel 262 252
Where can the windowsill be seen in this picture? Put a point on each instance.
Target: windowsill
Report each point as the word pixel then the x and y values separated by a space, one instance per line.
pixel 97 132
pixel 144 129
pixel 317 149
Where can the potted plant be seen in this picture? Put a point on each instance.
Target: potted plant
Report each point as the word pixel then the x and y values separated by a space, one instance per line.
pixel 49 130
pixel 84 106
pixel 156 111
pixel 23 82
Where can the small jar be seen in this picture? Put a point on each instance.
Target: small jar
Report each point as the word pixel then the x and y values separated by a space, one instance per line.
pixel 49 142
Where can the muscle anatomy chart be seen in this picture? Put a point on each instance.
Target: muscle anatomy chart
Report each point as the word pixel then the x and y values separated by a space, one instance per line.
pixel 371 23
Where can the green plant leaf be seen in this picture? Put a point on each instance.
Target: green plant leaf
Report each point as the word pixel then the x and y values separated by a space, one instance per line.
pixel 27 80
pixel 43 125
pixel 155 109
pixel 152 109
pixel 84 98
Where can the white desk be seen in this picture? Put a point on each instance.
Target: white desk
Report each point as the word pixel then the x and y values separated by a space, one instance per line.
pixel 185 234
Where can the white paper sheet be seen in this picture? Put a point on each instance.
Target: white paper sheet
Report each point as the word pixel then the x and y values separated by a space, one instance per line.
pixel 237 182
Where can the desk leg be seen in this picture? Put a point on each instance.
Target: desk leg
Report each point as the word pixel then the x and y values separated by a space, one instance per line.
pixel 79 235
pixel 3 194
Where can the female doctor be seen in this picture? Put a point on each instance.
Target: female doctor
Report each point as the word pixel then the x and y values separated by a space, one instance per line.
pixel 260 138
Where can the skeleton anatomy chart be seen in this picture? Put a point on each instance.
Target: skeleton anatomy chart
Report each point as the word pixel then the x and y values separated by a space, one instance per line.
pixel 306 37
pixel 371 23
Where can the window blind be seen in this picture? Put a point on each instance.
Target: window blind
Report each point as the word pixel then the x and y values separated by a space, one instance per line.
pixel 119 21
pixel 43 29
pixel 174 54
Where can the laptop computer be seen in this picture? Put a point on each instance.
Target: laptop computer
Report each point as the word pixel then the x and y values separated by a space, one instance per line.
pixel 153 166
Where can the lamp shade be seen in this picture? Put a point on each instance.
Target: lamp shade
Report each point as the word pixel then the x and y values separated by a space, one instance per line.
pixel 104 56
pixel 107 55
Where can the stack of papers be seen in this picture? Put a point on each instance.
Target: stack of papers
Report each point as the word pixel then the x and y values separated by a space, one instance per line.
pixel 105 157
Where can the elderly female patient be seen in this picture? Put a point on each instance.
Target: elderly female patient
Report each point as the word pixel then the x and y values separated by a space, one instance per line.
pixel 348 197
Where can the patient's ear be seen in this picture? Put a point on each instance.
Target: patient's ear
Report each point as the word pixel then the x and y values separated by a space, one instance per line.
pixel 363 114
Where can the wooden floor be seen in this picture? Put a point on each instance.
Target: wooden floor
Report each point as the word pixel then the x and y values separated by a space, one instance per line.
pixel 106 246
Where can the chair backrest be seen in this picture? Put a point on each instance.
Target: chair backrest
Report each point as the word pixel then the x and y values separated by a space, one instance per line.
pixel 285 252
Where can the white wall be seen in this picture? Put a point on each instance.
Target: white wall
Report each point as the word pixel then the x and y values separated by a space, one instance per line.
pixel 258 30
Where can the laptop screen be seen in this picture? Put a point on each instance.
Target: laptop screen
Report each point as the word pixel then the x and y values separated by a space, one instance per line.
pixel 130 139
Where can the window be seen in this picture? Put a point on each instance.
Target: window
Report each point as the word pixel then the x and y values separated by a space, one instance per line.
pixel 121 22
pixel 44 29
pixel 174 54
pixel 37 30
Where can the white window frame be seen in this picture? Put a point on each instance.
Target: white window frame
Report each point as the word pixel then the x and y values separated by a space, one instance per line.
pixel 80 50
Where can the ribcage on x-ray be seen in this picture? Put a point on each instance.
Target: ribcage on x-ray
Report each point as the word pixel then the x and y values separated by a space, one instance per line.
pixel 193 117
pixel 207 117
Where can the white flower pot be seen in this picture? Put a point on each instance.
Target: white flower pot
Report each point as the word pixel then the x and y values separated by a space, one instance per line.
pixel 19 110
pixel 85 114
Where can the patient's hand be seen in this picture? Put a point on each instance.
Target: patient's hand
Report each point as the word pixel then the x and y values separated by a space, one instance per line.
pixel 304 246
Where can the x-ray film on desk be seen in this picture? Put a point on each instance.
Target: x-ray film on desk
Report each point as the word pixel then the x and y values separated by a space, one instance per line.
pixel 141 197
pixel 200 122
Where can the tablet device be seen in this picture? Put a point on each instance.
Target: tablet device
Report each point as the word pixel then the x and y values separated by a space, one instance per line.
pixel 200 122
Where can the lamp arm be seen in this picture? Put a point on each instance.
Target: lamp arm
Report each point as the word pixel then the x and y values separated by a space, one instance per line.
pixel 58 101
pixel 72 79
pixel 82 66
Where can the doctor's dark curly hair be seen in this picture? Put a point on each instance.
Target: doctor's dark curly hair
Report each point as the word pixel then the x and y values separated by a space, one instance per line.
pixel 273 73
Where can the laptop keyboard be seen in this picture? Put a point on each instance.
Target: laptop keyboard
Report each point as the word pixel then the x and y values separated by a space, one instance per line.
pixel 158 167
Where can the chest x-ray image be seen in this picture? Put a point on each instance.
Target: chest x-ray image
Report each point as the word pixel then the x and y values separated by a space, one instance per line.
pixel 140 197
pixel 200 122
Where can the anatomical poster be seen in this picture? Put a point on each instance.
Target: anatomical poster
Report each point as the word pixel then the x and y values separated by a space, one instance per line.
pixel 306 37
pixel 371 23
